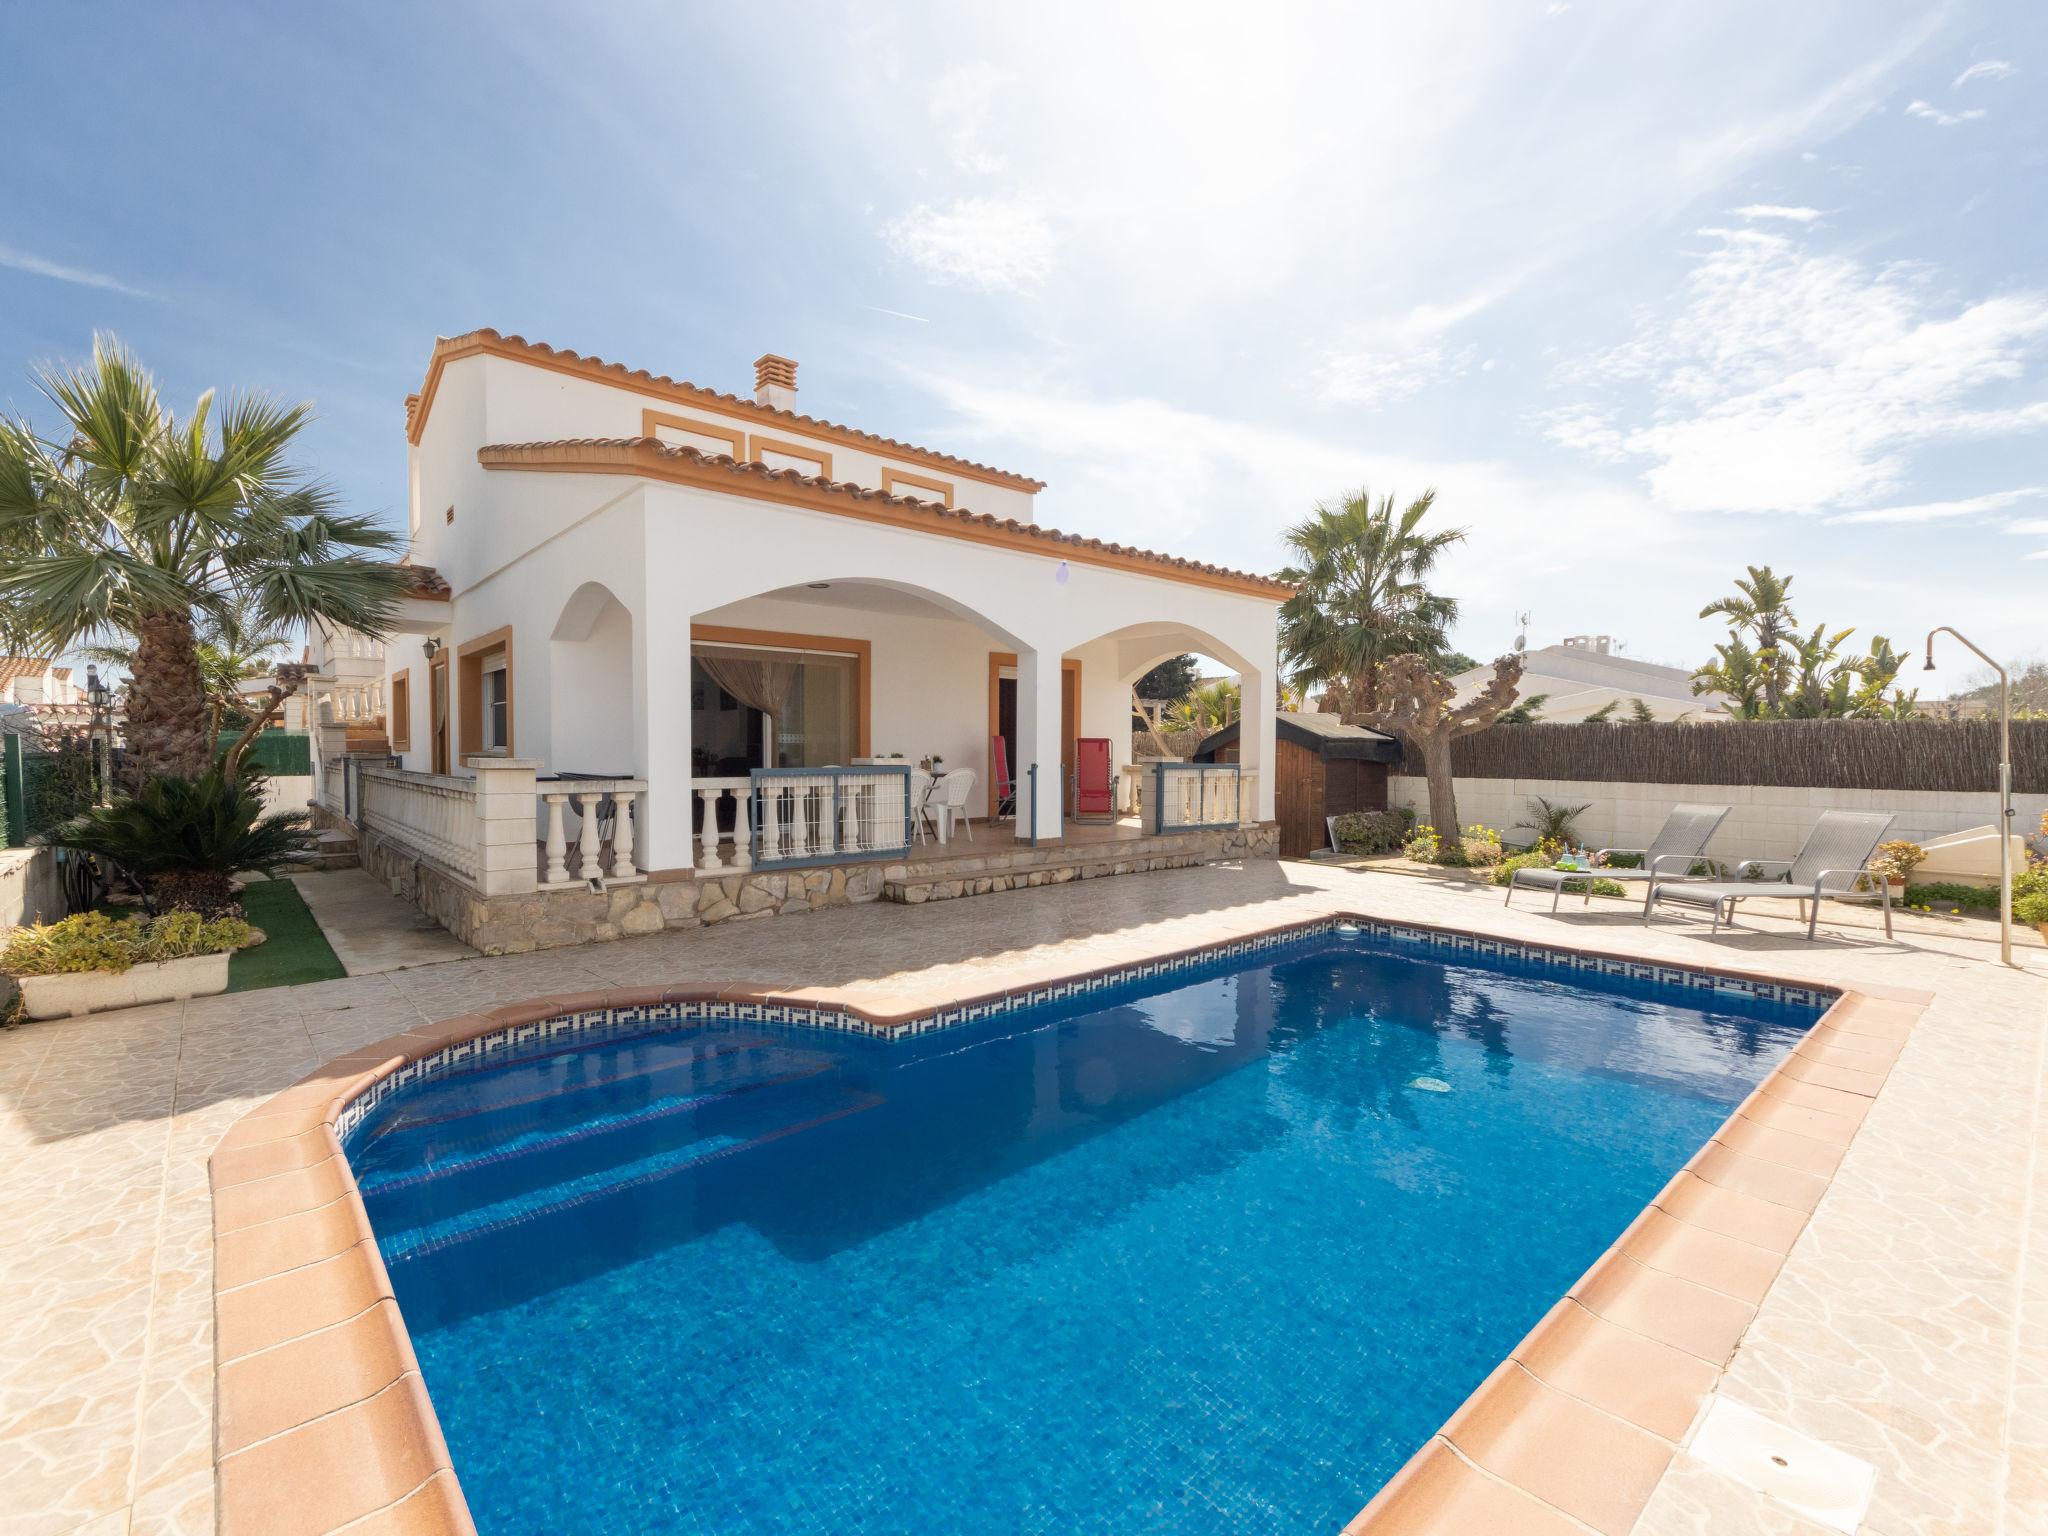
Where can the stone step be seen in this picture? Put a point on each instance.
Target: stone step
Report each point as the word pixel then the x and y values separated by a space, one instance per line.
pixel 334 848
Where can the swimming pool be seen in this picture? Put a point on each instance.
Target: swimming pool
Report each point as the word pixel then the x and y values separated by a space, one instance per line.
pixel 1211 1251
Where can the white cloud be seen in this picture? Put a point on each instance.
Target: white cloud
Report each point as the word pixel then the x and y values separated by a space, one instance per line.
pixel 1391 361
pixel 1775 211
pixel 1934 114
pixel 1986 69
pixel 960 106
pixel 2028 525
pixel 1148 473
pixel 981 242
pixel 1938 511
pixel 1793 381
pixel 22 261
pixel 1375 378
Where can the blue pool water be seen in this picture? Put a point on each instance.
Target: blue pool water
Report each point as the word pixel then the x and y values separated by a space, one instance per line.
pixel 1212 1254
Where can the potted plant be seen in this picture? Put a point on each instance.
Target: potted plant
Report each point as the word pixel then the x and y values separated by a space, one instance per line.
pixel 1897 859
pixel 93 961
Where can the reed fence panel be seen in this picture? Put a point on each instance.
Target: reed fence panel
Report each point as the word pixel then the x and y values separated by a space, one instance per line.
pixel 1953 755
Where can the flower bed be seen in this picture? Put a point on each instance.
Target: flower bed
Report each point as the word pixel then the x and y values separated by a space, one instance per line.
pixel 94 961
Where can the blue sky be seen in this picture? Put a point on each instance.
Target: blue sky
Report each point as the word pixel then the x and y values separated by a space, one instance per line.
pixel 1646 291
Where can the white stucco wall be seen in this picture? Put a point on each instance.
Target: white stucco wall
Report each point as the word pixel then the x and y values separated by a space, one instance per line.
pixel 505 401
pixel 1764 821
pixel 524 542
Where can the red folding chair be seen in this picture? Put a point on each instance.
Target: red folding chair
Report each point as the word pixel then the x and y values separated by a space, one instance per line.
pixel 999 777
pixel 1094 783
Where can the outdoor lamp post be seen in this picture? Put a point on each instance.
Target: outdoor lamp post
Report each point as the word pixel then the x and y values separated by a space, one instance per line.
pixel 2004 785
pixel 100 732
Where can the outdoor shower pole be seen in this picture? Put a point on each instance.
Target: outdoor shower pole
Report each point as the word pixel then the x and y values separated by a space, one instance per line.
pixel 2004 785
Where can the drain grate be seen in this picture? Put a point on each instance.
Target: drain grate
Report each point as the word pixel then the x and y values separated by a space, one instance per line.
pixel 1827 1486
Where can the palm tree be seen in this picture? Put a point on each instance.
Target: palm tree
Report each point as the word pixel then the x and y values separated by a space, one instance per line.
pixel 233 646
pixel 1734 671
pixel 1762 606
pixel 1207 708
pixel 137 520
pixel 1361 595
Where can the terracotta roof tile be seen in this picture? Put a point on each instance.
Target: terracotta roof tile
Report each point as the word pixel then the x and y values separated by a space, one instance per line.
pixel 12 667
pixel 651 455
pixel 488 340
pixel 425 581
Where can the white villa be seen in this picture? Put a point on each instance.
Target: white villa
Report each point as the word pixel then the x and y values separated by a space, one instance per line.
pixel 1586 673
pixel 732 632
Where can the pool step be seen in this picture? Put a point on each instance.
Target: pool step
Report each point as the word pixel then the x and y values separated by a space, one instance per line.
pixel 522 1083
pixel 469 1157
pixel 401 1244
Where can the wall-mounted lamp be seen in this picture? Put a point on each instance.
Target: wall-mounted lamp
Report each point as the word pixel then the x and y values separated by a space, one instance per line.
pixel 431 647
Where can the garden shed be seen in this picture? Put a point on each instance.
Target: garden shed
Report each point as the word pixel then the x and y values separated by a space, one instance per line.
pixel 1321 768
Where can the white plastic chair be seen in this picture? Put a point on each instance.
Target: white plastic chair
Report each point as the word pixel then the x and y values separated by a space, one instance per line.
pixel 951 793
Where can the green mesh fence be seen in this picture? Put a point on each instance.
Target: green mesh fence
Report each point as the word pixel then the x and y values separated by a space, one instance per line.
pixel 284 754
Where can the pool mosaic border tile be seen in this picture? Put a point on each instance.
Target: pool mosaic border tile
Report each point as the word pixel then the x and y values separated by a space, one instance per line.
pixel 1646 1288
pixel 586 1026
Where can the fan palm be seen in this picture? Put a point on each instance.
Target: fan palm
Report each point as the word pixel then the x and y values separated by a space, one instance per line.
pixel 232 645
pixel 137 520
pixel 1207 708
pixel 1361 593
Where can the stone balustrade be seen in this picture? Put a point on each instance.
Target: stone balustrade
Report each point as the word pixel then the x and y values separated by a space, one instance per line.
pixel 595 800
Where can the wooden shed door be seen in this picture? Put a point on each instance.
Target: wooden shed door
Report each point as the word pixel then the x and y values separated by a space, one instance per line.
pixel 1298 798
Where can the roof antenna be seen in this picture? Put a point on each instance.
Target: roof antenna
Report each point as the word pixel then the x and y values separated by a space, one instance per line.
pixel 1522 639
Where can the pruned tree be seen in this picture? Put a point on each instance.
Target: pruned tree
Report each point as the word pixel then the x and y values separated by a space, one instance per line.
pixel 1419 707
pixel 290 678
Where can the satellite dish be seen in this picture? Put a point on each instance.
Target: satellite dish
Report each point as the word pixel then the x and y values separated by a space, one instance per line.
pixel 1522 639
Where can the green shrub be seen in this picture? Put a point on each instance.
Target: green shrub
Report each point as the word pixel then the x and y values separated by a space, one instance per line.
pixel 2032 907
pixel 182 841
pixel 1624 860
pixel 1373 831
pixel 95 941
pixel 1504 872
pixel 1947 893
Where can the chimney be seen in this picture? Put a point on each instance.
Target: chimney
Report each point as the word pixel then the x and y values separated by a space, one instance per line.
pixel 775 382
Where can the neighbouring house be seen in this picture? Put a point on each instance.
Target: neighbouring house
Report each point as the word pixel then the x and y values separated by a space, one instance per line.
pixel 345 687
pixel 710 639
pixel 37 682
pixel 1321 768
pixel 1585 674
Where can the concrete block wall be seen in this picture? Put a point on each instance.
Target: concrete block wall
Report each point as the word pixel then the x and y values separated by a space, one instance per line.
pixel 30 888
pixel 1764 821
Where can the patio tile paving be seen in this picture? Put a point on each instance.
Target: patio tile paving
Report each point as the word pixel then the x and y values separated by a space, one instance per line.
pixel 1908 1325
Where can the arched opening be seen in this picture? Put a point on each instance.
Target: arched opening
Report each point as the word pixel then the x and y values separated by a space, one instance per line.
pixel 1115 660
pixel 590 692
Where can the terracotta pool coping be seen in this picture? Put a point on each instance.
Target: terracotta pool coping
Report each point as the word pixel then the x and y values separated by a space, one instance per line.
pixel 323 1419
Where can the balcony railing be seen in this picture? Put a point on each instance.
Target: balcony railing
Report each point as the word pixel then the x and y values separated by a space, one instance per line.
pixel 1194 797
pixel 605 817
pixel 787 818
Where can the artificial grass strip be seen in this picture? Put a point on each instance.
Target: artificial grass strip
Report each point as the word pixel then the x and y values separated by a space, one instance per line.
pixel 295 949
